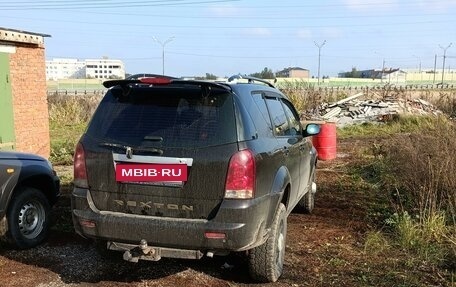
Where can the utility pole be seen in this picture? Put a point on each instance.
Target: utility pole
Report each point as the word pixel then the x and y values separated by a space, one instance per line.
pixel 435 67
pixel 319 55
pixel 419 69
pixel 444 56
pixel 163 44
pixel 383 69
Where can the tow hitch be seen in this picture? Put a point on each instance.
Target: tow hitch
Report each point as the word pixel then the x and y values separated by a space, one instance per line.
pixel 141 251
pixel 134 253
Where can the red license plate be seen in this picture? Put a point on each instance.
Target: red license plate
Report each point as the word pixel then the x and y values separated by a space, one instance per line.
pixel 151 172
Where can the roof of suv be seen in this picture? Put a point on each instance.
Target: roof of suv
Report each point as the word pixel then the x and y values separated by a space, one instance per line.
pixel 237 83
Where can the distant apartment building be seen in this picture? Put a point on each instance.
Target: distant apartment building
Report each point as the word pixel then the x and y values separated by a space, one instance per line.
pixel 64 69
pixel 294 72
pixel 60 68
pixel 104 69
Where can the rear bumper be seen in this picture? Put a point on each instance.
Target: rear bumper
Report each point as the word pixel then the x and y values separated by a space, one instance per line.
pixel 244 223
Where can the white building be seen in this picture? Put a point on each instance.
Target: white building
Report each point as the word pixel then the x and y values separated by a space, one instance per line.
pixel 59 68
pixel 65 69
pixel 104 69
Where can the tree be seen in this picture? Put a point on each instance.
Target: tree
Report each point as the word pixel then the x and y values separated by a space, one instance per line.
pixel 353 74
pixel 265 74
pixel 210 76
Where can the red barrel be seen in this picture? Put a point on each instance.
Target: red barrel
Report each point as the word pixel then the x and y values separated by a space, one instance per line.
pixel 325 141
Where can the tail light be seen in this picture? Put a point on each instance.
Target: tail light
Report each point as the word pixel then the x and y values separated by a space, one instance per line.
pixel 240 180
pixel 80 170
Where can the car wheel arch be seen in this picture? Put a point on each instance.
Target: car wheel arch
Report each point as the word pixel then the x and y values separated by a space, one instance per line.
pixel 41 182
pixel 280 191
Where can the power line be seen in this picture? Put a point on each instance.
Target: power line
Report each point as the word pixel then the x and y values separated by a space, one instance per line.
pixel 70 6
pixel 325 5
pixel 272 17
pixel 244 27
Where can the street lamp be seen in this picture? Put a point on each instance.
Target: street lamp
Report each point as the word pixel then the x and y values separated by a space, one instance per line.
pixel 319 54
pixel 419 69
pixel 383 67
pixel 444 56
pixel 163 44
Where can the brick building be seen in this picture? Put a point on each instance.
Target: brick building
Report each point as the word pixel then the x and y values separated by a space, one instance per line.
pixel 293 72
pixel 24 116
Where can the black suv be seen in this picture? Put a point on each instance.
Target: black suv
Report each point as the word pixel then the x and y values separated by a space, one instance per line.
pixel 182 168
pixel 28 188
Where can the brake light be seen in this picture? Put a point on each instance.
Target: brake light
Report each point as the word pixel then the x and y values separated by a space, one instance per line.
pixel 240 180
pixel 80 171
pixel 155 81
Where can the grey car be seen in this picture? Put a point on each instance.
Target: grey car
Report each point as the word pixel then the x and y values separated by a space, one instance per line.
pixel 28 188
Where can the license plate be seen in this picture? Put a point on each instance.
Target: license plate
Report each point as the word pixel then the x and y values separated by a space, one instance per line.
pixel 153 173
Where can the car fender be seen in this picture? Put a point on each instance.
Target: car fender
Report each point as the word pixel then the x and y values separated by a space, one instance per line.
pixel 281 180
pixel 28 172
pixel 6 189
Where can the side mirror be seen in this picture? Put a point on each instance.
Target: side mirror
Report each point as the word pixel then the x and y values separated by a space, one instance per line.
pixel 311 130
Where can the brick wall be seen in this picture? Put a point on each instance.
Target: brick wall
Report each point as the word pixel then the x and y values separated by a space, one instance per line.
pixel 28 84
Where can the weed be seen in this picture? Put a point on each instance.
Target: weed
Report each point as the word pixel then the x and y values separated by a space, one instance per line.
pixel 424 237
pixel 375 243
pixel 68 117
pixel 306 97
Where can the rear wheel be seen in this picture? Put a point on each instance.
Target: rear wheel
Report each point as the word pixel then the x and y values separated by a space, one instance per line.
pixel 266 261
pixel 28 217
pixel 307 202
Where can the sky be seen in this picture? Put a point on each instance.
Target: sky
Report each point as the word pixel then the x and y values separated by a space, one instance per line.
pixel 227 37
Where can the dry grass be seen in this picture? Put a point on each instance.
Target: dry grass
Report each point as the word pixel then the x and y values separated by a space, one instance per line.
pixel 68 118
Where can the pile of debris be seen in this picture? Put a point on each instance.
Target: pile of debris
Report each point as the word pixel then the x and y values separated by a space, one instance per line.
pixel 352 110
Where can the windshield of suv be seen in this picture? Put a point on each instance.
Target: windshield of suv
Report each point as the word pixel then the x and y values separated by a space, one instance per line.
pixel 165 117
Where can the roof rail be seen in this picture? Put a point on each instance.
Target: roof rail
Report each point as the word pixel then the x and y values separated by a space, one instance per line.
pixel 250 79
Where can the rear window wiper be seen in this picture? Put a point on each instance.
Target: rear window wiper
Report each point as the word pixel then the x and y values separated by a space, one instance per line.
pixel 132 149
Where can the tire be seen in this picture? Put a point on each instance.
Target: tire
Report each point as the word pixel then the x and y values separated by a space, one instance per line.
pixel 28 218
pixel 307 202
pixel 266 261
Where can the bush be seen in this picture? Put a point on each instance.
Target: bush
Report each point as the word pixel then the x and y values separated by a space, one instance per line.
pixel 69 110
pixel 417 171
pixel 68 117
pixel 306 97
pixel 422 165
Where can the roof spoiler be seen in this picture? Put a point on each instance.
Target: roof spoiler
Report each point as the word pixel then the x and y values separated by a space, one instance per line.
pixel 126 84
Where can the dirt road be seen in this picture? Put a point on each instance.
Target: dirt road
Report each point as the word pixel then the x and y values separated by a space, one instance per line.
pixel 323 249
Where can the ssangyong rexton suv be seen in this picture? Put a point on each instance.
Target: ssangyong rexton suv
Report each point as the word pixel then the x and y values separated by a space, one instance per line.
pixel 182 168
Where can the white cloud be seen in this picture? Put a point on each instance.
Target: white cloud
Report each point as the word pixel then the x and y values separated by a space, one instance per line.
pixel 304 33
pixel 332 33
pixel 224 10
pixel 371 5
pixel 437 5
pixel 257 32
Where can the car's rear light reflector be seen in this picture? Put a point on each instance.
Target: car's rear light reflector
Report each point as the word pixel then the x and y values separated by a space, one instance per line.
pixel 155 81
pixel 240 180
pixel 80 170
pixel 87 223
pixel 214 235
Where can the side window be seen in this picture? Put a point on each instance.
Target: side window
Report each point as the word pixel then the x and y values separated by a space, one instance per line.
pixel 261 104
pixel 293 118
pixel 278 117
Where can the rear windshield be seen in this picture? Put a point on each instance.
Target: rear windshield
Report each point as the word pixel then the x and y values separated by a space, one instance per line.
pixel 165 117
